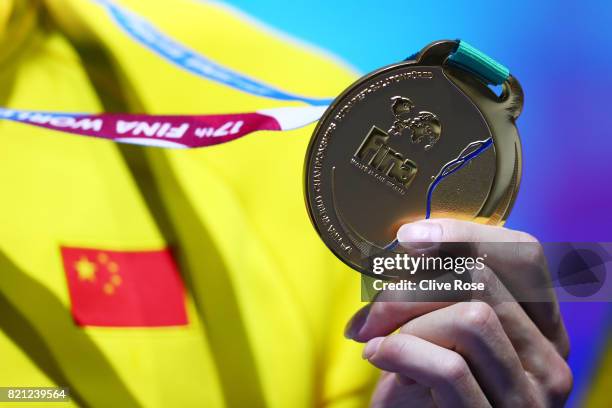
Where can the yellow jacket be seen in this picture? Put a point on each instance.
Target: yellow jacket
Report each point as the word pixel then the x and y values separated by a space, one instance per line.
pixel 266 301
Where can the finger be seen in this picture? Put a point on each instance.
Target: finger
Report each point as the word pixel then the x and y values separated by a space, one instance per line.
pixel 508 252
pixel 519 262
pixel 381 318
pixel 526 338
pixel 537 354
pixel 445 372
pixel 452 230
pixel 392 393
pixel 473 330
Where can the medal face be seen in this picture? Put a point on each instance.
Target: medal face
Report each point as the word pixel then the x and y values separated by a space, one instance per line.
pixel 415 140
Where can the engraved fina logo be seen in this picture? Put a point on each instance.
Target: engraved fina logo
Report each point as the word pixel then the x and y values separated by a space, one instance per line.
pixel 378 159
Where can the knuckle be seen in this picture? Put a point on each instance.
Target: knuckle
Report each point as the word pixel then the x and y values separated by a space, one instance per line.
pixel 478 319
pixel 392 348
pixel 561 379
pixel 486 277
pixel 526 238
pixel 453 369
pixel 452 230
pixel 530 251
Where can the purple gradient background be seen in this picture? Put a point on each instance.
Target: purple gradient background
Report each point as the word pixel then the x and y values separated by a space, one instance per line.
pixel 560 51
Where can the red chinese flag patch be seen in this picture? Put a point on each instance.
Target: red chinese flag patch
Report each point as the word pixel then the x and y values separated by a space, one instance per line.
pixel 124 288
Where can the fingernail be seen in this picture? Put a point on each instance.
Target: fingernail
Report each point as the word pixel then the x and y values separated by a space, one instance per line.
pixel 354 325
pixel 371 347
pixel 419 234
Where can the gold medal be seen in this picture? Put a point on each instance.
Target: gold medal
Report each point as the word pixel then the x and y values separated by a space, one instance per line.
pixel 424 138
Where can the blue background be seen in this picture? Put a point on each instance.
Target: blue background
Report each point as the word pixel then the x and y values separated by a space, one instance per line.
pixel 560 51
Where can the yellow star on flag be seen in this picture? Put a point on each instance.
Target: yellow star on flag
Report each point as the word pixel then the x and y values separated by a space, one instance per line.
pixel 86 269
